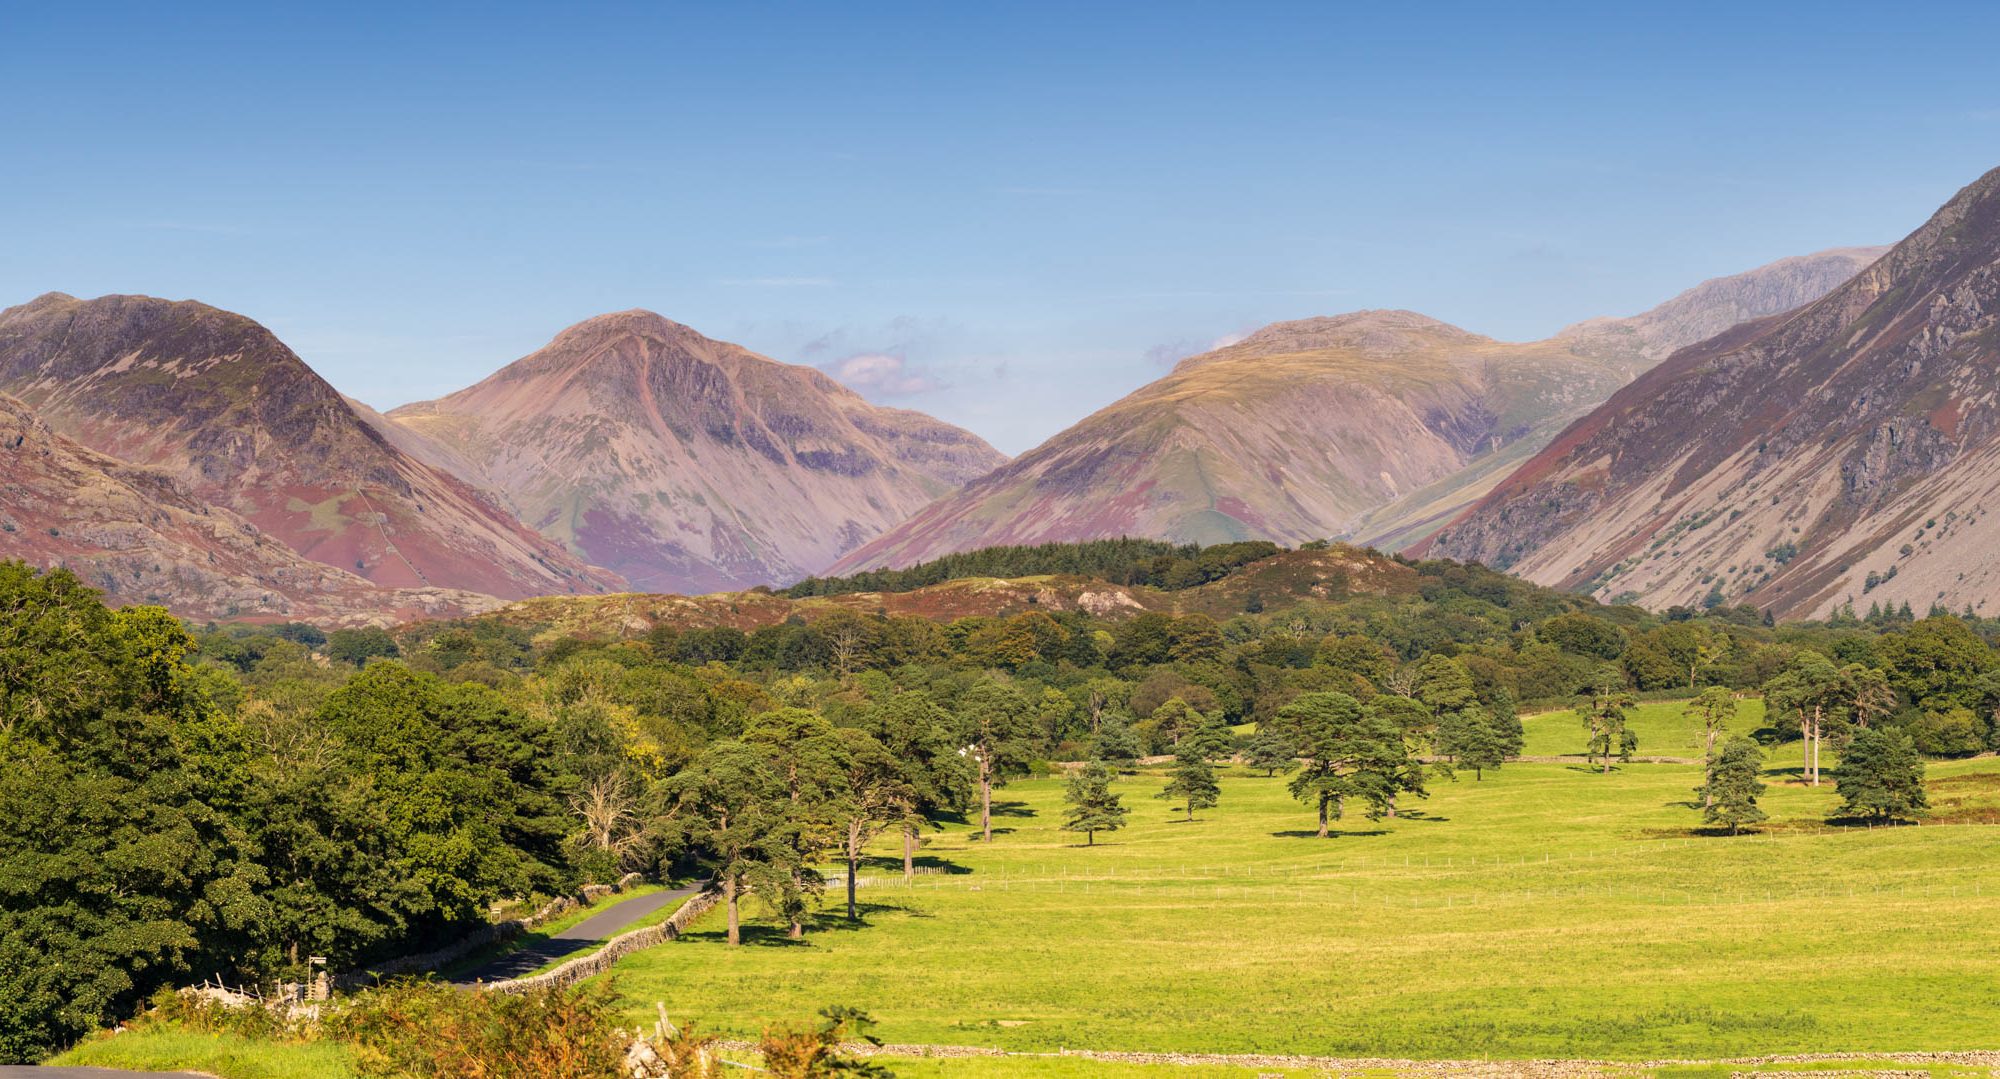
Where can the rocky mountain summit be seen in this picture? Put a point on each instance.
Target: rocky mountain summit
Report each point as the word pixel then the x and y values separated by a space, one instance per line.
pixel 1848 452
pixel 685 463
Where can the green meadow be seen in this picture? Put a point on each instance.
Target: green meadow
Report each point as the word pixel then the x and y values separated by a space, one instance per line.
pixel 1546 910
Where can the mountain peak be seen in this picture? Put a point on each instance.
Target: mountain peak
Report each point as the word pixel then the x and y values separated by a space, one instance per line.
pixel 637 322
pixel 1374 331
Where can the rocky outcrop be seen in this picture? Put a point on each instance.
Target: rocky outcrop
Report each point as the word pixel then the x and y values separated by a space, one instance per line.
pixel 1848 452
pixel 220 404
pixel 688 464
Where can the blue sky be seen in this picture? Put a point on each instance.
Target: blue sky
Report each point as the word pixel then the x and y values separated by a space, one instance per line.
pixel 1013 214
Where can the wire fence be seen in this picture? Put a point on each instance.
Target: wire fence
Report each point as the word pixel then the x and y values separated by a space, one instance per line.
pixel 1420 880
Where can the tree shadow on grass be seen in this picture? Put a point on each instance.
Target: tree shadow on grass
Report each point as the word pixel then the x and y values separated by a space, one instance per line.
pixel 1420 815
pixel 833 919
pixel 1592 769
pixel 1012 809
pixel 1869 822
pixel 929 863
pixel 1332 833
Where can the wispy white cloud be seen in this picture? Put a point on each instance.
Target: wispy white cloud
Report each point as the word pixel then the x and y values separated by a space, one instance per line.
pixel 1169 353
pixel 882 374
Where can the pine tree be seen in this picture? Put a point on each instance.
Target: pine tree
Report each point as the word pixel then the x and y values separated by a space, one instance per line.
pixel 1271 751
pixel 1116 744
pixel 1729 797
pixel 1880 777
pixel 1603 712
pixel 1474 740
pixel 1192 782
pixel 1093 807
pixel 1715 708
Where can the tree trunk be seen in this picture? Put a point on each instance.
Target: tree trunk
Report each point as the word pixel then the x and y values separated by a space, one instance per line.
pixel 729 898
pixel 986 801
pixel 797 931
pixel 1090 837
pixel 1805 747
pixel 852 862
pixel 853 866
pixel 1392 806
pixel 1323 800
pixel 909 853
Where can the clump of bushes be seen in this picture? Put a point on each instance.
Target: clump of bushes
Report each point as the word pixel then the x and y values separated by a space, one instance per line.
pixel 433 1029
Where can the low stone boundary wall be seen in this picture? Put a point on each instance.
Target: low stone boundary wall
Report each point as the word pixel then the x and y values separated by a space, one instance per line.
pixel 483 937
pixel 599 961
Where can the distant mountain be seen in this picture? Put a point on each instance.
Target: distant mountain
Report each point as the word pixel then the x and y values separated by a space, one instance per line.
pixel 218 403
pixel 1716 305
pixel 1845 452
pixel 1377 425
pixel 142 537
pixel 688 464
pixel 1633 345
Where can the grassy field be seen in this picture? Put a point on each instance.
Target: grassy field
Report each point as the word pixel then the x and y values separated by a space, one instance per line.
pixel 226 1055
pixel 1547 911
pixel 1544 912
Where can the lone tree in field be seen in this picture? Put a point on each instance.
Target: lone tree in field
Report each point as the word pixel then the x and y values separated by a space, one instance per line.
pixel 1715 708
pixel 1349 752
pixel 1729 797
pixel 1603 712
pixel 1271 751
pixel 1093 807
pixel 1881 777
pixel 1473 740
pixel 1192 781
pixel 994 723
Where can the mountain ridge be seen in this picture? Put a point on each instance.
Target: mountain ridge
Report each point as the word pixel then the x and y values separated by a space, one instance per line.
pixel 1375 425
pixel 1868 480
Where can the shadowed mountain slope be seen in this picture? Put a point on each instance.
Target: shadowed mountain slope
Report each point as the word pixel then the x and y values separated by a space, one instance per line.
pixel 1845 452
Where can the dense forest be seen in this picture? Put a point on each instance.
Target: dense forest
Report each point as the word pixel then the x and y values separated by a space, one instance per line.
pixel 178 802
pixel 1153 563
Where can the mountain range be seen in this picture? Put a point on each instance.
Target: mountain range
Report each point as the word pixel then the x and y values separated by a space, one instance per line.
pixel 1844 453
pixel 1814 433
pixel 1375 425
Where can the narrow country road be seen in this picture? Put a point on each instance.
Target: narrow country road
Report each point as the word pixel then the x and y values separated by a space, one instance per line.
pixel 603 925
